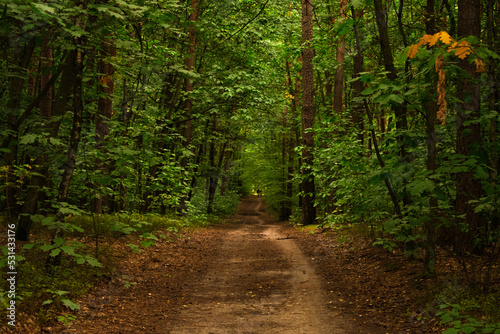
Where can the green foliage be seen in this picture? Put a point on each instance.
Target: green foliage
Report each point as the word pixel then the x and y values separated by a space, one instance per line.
pixel 451 315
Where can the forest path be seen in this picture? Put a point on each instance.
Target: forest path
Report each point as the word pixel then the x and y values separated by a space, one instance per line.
pixel 248 275
pixel 260 282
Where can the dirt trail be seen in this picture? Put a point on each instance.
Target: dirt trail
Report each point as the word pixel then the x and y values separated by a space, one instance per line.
pixel 246 276
pixel 260 283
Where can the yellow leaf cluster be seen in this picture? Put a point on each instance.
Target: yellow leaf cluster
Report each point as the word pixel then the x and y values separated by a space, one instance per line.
pixel 462 49
pixel 429 40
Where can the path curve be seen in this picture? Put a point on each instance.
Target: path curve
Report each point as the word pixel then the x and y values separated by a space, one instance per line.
pixel 260 282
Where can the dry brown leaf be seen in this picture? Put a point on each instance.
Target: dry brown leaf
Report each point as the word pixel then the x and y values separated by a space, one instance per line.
pixel 479 65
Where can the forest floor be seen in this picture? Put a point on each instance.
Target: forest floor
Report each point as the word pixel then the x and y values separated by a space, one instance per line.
pixel 252 274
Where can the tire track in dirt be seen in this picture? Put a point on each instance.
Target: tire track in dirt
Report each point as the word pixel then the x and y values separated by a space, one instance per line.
pixel 260 282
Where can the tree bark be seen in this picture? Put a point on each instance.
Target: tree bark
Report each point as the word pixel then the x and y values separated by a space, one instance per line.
pixel 308 187
pixel 468 133
pixel 358 62
pixel 431 163
pixel 189 66
pixel 16 86
pixel 338 87
pixel 225 174
pixel 104 114
pixel 70 164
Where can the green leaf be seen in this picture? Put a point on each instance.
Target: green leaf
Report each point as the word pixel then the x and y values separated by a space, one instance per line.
pixel 70 250
pixel 47 302
pixel 46 248
pixel 451 331
pixel 134 248
pixel 93 261
pixel 29 246
pixel 147 243
pixel 28 139
pixel 55 252
pixel 70 304
pixel 468 329
pixel 79 259
pixel 44 8
pixel 59 241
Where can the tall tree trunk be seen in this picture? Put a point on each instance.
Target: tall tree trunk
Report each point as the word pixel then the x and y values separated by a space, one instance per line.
pixel 189 66
pixel 308 188
pixel 16 86
pixel 400 109
pixel 225 174
pixel 493 98
pixel 286 209
pixel 104 114
pixel 358 62
pixel 39 177
pixel 214 176
pixel 338 87
pixel 70 164
pixel 468 133
pixel 431 163
pixel 46 62
pixel 388 184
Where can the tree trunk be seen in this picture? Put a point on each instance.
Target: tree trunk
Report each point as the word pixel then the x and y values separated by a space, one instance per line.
pixel 338 87
pixel 493 98
pixel 16 86
pixel 357 86
pixel 308 188
pixel 39 177
pixel 46 61
pixel 225 174
pixel 214 171
pixel 104 114
pixel 431 163
pixel 400 109
pixel 468 133
pixel 374 141
pixel 189 66
pixel 70 164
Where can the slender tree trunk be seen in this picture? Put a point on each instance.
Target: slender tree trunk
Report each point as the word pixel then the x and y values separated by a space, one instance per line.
pixel 388 184
pixel 493 98
pixel 308 208
pixel 16 86
pixel 70 164
pixel 105 113
pixel 46 62
pixel 358 61
pixel 400 109
pixel 214 176
pixel 431 163
pixel 468 133
pixel 39 177
pixel 225 174
pixel 189 66
pixel 286 209
pixel 338 87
